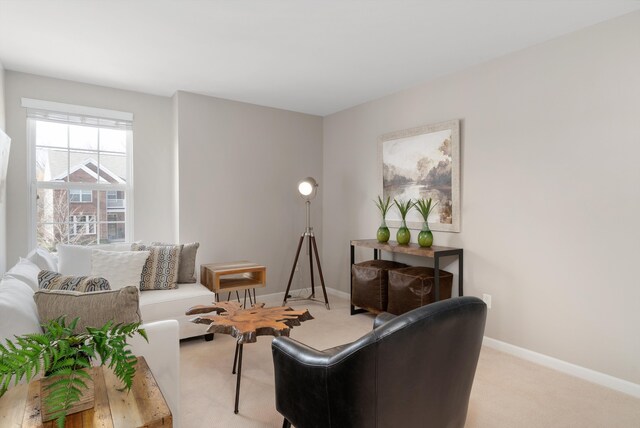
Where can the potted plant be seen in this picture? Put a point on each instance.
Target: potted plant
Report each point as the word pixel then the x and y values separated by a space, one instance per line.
pixel 64 357
pixel 425 207
pixel 403 236
pixel 384 206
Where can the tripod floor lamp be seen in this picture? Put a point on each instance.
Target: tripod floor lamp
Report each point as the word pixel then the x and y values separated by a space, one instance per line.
pixel 308 189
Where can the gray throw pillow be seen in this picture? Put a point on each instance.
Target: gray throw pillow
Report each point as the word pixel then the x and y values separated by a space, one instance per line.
pixel 48 280
pixel 187 266
pixel 94 309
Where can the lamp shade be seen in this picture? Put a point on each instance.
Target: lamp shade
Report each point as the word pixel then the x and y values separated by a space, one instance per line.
pixel 308 188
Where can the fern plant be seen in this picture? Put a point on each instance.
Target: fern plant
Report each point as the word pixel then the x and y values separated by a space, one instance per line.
pixel 62 355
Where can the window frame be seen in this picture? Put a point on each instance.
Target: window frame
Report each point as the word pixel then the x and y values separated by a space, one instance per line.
pixel 87 224
pixel 82 193
pixel 35 185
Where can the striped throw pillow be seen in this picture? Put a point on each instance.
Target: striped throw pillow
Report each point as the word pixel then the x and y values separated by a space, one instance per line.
pixel 48 280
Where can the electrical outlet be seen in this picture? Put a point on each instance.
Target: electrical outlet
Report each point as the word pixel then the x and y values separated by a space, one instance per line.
pixel 487 299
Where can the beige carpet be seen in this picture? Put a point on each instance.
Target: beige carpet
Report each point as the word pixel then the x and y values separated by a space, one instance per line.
pixel 508 392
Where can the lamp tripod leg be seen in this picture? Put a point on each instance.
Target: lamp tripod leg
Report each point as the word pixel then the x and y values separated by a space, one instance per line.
pixel 293 270
pixel 313 289
pixel 324 289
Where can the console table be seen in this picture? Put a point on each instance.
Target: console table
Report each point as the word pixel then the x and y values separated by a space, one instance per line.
pixel 434 252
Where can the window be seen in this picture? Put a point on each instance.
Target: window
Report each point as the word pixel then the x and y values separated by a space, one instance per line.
pixel 82 225
pixel 115 199
pixel 80 195
pixel 80 174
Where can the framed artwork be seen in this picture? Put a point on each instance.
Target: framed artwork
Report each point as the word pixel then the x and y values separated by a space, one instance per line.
pixel 419 163
pixel 5 145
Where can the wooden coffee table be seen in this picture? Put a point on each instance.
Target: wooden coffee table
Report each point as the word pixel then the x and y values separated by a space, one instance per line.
pixel 143 406
pixel 246 325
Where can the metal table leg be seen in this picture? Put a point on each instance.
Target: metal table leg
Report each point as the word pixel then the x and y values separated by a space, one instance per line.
pixel 239 347
pixel 436 279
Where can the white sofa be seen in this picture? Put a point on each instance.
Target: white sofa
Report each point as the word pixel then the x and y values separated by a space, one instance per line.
pixel 18 315
pixel 155 305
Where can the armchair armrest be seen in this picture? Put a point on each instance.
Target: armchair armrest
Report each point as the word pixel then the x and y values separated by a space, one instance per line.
pixel 300 381
pixel 382 318
pixel 308 381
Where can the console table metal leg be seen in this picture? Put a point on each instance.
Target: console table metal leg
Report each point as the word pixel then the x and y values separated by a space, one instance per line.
pixel 235 410
pixel 375 254
pixel 460 271
pixel 353 260
pixel 436 274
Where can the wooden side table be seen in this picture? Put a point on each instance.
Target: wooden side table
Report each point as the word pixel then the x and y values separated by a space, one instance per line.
pixel 234 276
pixel 434 252
pixel 143 406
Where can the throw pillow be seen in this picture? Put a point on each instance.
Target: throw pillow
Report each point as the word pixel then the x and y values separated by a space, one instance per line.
pixel 120 268
pixel 160 272
pixel 187 265
pixel 54 281
pixel 25 271
pixel 18 310
pixel 94 309
pixel 76 259
pixel 43 259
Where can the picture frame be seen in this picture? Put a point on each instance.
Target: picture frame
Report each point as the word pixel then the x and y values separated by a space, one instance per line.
pixel 423 162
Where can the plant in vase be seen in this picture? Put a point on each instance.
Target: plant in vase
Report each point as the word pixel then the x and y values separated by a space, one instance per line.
pixel 403 236
pixel 425 207
pixel 64 358
pixel 384 206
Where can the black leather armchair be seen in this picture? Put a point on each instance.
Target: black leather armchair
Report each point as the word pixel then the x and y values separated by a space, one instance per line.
pixel 413 370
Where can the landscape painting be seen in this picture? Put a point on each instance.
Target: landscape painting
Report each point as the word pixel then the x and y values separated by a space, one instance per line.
pixel 422 163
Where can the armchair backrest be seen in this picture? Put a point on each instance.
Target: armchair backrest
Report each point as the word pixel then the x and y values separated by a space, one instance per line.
pixel 415 370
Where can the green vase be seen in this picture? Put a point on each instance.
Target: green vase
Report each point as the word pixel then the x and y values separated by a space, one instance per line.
pixel 425 237
pixel 404 235
pixel 383 232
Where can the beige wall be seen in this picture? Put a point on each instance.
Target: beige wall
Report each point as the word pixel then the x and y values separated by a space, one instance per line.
pixel 3 205
pixel 550 190
pixel 239 168
pixel 152 152
pixel 2 114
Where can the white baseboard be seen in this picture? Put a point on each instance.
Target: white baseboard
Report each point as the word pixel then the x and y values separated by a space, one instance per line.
pixel 338 293
pixel 330 290
pixel 589 375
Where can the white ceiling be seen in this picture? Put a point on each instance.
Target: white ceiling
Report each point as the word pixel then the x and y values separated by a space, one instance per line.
pixel 312 56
